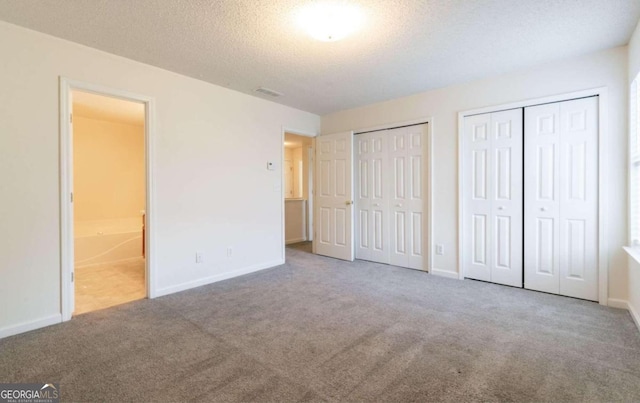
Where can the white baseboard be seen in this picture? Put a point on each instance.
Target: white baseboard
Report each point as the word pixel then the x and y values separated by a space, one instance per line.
pixel 31 325
pixel 622 304
pixel 635 315
pixel 445 273
pixel 296 240
pixel 218 277
pixel 618 303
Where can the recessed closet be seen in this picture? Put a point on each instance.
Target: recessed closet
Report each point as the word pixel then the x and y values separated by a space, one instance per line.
pixel 530 197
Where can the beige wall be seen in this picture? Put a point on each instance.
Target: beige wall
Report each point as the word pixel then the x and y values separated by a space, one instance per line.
pixel 607 68
pixel 108 170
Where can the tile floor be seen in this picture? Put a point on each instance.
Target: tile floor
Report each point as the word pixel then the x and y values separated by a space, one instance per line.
pixel 106 285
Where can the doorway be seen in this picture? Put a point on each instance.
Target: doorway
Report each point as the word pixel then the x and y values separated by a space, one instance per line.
pixel 105 197
pixel 297 178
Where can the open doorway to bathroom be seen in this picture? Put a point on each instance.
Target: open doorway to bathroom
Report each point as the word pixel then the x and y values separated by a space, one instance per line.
pixel 109 200
pixel 298 191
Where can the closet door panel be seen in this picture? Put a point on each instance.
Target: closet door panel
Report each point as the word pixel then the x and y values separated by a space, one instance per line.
pixel 399 211
pixel 507 195
pixel 477 187
pixel 415 200
pixel 542 198
pixel 578 198
pixel 372 240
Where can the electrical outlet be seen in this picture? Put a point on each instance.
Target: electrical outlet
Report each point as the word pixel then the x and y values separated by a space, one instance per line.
pixel 439 249
pixel 198 257
pixel 229 251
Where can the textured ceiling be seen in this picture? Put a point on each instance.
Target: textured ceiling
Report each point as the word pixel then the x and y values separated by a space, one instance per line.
pixel 106 108
pixel 403 48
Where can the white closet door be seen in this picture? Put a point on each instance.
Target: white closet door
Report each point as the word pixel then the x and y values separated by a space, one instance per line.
pixel 579 198
pixel 542 195
pixel 407 196
pixel 477 187
pixel 561 225
pixel 416 196
pixel 334 196
pixel 507 137
pixel 372 200
pixel 492 200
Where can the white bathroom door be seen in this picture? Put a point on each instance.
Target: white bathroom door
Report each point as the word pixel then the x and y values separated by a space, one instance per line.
pixel 372 197
pixel 407 196
pixel 561 226
pixel 334 196
pixel 493 197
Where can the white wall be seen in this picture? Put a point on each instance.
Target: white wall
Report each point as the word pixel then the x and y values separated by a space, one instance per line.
pixel 607 68
pixel 211 143
pixel 633 289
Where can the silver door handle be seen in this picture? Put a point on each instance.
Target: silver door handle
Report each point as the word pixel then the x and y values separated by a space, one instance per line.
pixel 543 209
pixel 501 208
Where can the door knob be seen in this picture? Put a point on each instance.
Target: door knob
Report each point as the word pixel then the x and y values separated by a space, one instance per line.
pixel 376 204
pixel 349 202
pixel 399 205
pixel 501 208
pixel 543 209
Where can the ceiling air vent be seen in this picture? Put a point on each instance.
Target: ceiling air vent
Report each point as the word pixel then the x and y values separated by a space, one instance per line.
pixel 267 91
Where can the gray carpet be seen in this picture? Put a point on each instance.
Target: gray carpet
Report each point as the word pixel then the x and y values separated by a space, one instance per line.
pixel 321 329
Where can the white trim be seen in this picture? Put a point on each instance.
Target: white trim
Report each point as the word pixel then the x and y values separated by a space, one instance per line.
pixel 66 186
pixel 393 125
pixel 618 303
pixel 444 273
pixel 295 240
pixel 31 325
pixel 218 277
pixel 602 93
pixel 635 315
pixel 623 304
pixel 310 215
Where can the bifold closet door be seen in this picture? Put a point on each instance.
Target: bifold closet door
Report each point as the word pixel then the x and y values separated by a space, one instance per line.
pixel 493 197
pixel 390 196
pixel 561 190
pixel 407 200
pixel 372 197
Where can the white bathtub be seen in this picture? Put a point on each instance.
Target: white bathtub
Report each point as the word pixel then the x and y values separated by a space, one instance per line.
pixel 106 241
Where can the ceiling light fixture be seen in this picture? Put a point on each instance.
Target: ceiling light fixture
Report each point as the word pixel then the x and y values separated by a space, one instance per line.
pixel 329 22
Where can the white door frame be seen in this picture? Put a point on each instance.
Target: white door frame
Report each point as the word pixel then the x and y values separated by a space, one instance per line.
pixel 66 186
pixel 427 152
pixel 602 93
pixel 310 226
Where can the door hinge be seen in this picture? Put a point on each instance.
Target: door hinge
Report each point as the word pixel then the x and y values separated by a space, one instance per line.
pixel 71 118
pixel 71 197
pixel 72 277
